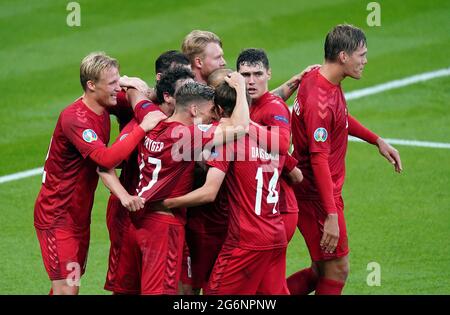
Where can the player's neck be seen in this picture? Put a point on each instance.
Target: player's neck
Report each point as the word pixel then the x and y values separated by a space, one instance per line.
pixel 332 72
pixel 181 117
pixel 165 108
pixel 92 104
pixel 198 76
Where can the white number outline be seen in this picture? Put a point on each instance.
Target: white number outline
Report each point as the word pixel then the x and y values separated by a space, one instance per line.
pixel 273 195
pixel 155 173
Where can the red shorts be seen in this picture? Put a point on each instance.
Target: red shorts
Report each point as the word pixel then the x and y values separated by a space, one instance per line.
pixel 311 218
pixel 243 272
pixel 290 220
pixel 64 252
pixel 160 240
pixel 204 249
pixel 123 274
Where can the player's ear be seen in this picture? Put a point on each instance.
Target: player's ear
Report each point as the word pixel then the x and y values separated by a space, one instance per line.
pixel 343 56
pixel 269 73
pixel 198 62
pixel 158 76
pixel 193 110
pixel 166 97
pixel 90 85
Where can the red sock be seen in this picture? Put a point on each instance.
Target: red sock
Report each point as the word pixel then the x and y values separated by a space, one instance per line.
pixel 302 282
pixel 51 292
pixel 329 287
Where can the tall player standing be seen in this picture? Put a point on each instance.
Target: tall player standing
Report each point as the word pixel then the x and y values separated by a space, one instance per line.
pixel 320 129
pixel 269 110
pixel 63 206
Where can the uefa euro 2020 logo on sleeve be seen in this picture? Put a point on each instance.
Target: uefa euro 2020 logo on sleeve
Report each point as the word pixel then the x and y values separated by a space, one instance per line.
pixel 321 134
pixel 89 135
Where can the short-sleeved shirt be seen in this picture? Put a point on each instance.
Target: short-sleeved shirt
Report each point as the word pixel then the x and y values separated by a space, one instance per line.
pixel 319 124
pixel 129 176
pixel 167 159
pixel 270 110
pixel 211 217
pixel 252 190
pixel 70 178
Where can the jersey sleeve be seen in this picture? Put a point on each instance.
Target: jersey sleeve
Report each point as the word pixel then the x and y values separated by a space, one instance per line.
pixel 218 160
pixel 289 164
pixel 143 108
pixel 319 123
pixel 81 133
pixel 126 130
pixel 279 115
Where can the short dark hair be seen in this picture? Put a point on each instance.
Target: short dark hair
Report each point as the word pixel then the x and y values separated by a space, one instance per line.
pixel 226 98
pixel 343 37
pixel 167 59
pixel 252 57
pixel 168 81
pixel 193 92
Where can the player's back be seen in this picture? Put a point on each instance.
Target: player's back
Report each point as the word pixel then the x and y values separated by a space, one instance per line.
pixel 252 190
pixel 162 174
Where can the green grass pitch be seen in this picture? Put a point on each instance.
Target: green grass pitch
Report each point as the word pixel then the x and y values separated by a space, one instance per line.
pixel 401 221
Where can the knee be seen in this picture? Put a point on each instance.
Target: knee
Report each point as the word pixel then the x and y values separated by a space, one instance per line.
pixel 342 270
pixel 65 289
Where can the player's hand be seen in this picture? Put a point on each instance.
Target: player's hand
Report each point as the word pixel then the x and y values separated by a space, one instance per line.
pixel 151 94
pixel 235 80
pixel 295 80
pixel 330 236
pixel 132 203
pixel 390 153
pixel 134 82
pixel 152 119
pixel 295 176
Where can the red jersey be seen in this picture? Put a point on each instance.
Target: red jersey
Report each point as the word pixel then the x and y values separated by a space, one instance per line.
pixel 129 176
pixel 252 190
pixel 70 178
pixel 210 217
pixel 166 160
pixel 271 110
pixel 319 124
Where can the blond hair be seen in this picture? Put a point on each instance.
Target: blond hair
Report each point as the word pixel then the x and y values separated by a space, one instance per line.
pixel 217 77
pixel 195 42
pixel 92 66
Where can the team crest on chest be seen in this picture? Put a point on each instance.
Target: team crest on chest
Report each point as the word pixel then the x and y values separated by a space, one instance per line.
pixel 321 134
pixel 89 135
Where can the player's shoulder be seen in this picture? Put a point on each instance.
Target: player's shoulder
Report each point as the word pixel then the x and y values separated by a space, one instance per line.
pixel 147 105
pixel 78 114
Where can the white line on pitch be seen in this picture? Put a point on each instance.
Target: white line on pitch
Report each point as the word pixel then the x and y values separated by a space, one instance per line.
pixel 410 143
pixel 397 84
pixel 20 175
pixel 349 96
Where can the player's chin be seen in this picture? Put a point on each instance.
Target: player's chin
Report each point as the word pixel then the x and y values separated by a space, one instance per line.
pixel 356 75
pixel 112 101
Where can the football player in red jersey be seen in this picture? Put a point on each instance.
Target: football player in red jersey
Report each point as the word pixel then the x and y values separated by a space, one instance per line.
pixel 167 172
pixel 123 275
pixel 252 259
pixel 63 206
pixel 270 110
pixel 320 128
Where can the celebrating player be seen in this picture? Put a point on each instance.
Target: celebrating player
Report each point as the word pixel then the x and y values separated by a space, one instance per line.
pixel 320 126
pixel 63 207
